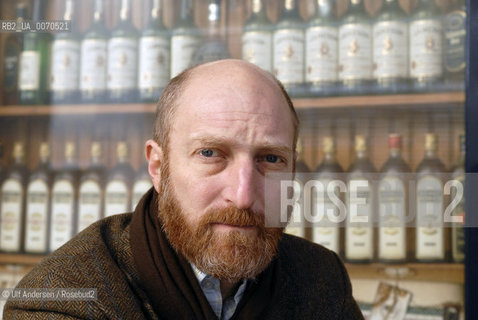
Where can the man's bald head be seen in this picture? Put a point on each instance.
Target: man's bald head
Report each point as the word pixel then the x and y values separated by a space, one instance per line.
pixel 222 71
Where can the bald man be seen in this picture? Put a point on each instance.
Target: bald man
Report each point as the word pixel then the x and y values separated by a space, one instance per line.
pixel 197 246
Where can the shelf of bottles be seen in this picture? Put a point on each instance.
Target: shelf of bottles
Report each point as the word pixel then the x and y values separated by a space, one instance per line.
pixel 382 61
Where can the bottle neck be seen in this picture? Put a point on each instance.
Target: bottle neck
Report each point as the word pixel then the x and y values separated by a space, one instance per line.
pixel 395 153
pixel 38 13
pixel 430 153
pixel 156 10
pixel 361 155
pixel 69 10
pixel 186 10
pixel 125 12
pixel 356 7
pixel 99 11
pixel 214 19
pixel 329 157
pixel 324 9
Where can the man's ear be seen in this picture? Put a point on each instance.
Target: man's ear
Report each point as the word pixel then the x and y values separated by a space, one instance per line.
pixel 154 155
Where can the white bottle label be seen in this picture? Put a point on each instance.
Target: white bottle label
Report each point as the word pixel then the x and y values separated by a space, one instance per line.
pixel 359 235
pixel 122 63
pixel 65 64
pixel 29 78
pixel 89 204
pixel 257 49
pixel 289 55
pixel 62 211
pixel 153 62
pixel 327 231
pixel 321 54
pixel 11 218
pixel 392 232
pixel 139 189
pixel 37 217
pixel 116 198
pixel 430 240
pixel 182 51
pixel 93 64
pixel 355 52
pixel 390 52
pixel 426 49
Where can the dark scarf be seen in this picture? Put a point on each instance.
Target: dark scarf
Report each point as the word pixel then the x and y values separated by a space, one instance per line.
pixel 169 281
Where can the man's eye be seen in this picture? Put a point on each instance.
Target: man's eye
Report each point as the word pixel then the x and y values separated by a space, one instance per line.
pixel 208 153
pixel 272 158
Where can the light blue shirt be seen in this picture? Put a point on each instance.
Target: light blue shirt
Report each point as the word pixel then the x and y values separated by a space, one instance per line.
pixel 212 290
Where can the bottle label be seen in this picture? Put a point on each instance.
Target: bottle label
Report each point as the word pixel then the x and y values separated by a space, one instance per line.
pixel 392 215
pixel 93 64
pixel 321 54
pixel 359 235
pixel 257 49
pixel 430 241
pixel 153 63
pixel 182 51
pixel 390 51
pixel 62 211
pixel 455 38
pixel 116 199
pixel 37 216
pixel 139 189
pixel 289 55
pixel 426 49
pixel 326 233
pixel 458 233
pixel 29 78
pixel 11 215
pixel 355 52
pixel 89 204
pixel 122 63
pixel 65 65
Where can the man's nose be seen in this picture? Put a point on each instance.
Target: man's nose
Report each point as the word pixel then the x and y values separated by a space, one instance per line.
pixel 243 184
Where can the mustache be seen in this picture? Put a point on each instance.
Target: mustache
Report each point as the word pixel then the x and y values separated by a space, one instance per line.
pixel 233 216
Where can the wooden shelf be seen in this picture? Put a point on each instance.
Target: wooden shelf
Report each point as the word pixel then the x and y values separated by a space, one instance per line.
pixel 431 99
pixel 21 259
pixel 432 272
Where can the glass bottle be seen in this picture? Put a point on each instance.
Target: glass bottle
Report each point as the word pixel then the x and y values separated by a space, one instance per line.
pixel 355 49
pixel 390 49
pixel 213 47
pixel 94 52
pixel 185 39
pixel 142 183
pixel 457 230
pixel 257 37
pixel 393 204
pixel 12 206
pixel 118 186
pixel 91 190
pixel 455 40
pixel 64 198
pixel 154 60
pixel 288 41
pixel 321 52
pixel 65 61
pixel 122 64
pixel 38 204
pixel 11 60
pixel 327 231
pixel 34 62
pixel 426 47
pixel 430 236
pixel 359 232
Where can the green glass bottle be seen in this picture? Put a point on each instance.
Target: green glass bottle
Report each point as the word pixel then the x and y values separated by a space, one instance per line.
pixel 34 62
pixel 257 37
pixel 288 42
pixel 355 50
pixel 457 230
pixel 123 58
pixel 154 60
pixel 455 40
pixel 185 39
pixel 94 48
pixel 390 50
pixel 214 47
pixel 426 47
pixel 11 60
pixel 321 53
pixel 65 61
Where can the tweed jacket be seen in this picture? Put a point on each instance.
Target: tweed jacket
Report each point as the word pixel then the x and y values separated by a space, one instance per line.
pixel 314 283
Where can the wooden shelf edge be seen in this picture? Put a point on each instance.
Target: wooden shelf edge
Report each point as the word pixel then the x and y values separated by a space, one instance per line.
pixel 432 272
pixel 21 259
pixel 300 103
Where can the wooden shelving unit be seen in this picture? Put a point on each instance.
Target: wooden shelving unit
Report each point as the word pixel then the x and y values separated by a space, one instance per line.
pixel 426 100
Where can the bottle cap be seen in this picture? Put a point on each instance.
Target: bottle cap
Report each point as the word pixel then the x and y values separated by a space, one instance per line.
pixel 431 142
pixel 394 141
pixel 122 150
pixel 299 147
pixel 44 151
pixel 360 144
pixel 70 150
pixel 256 6
pixel 328 145
pixel 18 150
pixel 95 149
